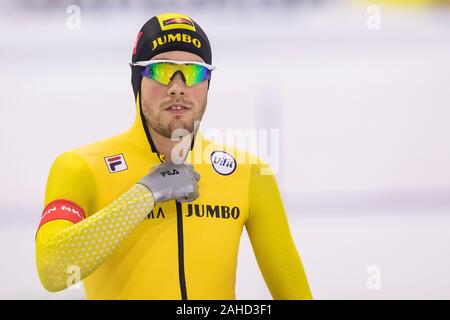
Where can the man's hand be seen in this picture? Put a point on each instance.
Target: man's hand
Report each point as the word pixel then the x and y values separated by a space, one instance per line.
pixel 169 181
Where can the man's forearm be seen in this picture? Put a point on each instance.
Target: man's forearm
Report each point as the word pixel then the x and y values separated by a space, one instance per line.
pixel 88 243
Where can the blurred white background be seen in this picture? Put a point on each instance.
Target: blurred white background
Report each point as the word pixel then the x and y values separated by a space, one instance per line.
pixel 363 116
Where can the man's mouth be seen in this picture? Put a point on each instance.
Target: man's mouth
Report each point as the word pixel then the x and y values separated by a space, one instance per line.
pixel 177 109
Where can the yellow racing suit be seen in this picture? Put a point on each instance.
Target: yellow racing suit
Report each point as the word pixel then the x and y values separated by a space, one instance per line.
pixel 99 222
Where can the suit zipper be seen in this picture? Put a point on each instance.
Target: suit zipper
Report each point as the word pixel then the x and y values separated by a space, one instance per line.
pixel 179 212
pixel 181 251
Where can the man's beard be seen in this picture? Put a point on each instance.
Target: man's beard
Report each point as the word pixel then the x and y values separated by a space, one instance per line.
pixel 181 127
pixel 178 125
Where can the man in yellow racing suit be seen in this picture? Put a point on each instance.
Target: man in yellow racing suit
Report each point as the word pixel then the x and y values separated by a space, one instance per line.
pixel 104 223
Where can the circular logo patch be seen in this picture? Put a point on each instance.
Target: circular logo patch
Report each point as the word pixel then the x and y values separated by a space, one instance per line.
pixel 223 163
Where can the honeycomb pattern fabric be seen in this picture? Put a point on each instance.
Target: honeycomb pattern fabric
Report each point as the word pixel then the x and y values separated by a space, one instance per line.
pixel 84 246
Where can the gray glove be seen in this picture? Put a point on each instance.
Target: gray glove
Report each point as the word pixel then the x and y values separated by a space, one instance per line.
pixel 168 181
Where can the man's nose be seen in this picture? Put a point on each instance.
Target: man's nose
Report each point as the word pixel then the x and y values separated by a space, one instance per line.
pixel 177 86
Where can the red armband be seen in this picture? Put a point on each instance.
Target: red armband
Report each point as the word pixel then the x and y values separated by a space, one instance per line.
pixel 62 209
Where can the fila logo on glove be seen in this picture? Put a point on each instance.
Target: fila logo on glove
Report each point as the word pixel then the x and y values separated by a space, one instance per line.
pixel 170 173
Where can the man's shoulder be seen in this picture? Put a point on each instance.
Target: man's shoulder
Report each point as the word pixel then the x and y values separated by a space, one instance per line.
pixel 98 147
pixel 89 155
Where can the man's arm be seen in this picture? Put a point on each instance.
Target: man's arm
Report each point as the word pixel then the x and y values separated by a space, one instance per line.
pixel 271 239
pixel 67 240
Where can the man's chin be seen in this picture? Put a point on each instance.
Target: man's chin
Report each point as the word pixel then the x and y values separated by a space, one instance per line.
pixel 179 129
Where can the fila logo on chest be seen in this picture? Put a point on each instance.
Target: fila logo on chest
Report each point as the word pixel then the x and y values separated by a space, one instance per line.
pixel 116 163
